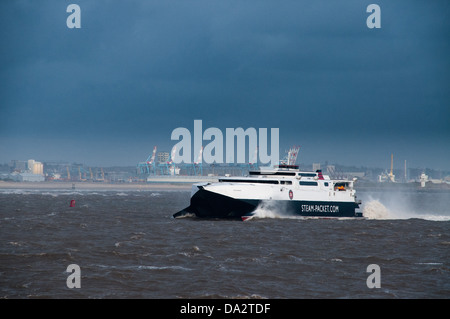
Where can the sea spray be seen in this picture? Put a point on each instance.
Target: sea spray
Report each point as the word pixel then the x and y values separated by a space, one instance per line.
pixel 406 205
pixel 272 209
pixel 375 210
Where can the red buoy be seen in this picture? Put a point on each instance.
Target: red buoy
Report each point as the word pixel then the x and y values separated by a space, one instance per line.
pixel 72 203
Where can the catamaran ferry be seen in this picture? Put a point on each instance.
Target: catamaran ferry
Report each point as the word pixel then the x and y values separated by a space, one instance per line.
pixel 309 194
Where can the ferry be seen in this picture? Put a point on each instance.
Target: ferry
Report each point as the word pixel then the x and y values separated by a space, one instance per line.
pixel 308 194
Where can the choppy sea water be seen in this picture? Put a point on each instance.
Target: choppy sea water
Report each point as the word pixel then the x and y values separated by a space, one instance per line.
pixel 127 245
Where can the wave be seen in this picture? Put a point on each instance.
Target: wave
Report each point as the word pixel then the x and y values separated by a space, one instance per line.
pixel 374 209
pixel 163 268
pixel 141 267
pixel 46 192
pixel 83 192
pixel 223 296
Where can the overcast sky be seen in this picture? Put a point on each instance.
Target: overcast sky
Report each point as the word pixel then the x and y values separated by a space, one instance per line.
pixel 106 93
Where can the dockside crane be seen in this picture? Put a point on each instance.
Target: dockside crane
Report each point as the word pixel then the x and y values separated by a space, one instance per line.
pixel 149 165
pixel 172 168
pixel 198 165
pixel 169 167
pixel 291 157
pixel 253 163
pixel 79 174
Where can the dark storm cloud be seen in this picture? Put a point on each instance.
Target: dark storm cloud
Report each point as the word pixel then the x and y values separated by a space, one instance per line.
pixel 138 69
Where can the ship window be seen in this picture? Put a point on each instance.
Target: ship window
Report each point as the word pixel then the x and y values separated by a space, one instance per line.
pixel 272 173
pixel 326 184
pixel 307 183
pixel 286 182
pixel 262 181
pixel 307 174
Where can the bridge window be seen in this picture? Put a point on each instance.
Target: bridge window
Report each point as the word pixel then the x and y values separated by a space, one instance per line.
pixel 308 183
pixel 307 174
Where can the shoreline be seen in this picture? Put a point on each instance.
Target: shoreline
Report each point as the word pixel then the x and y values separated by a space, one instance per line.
pixel 91 185
pixel 159 184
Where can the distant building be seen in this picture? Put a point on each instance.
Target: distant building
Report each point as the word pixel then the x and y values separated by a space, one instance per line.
pixel 423 179
pixel 27 171
pixel 351 175
pixel 163 157
pixel 26 177
pixel 35 167
pixel 331 170
pixel 18 166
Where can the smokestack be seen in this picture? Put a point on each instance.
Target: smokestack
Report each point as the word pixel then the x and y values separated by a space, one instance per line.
pixel 319 172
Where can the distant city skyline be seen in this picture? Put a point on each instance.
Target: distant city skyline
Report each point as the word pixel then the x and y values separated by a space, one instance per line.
pixel 105 94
